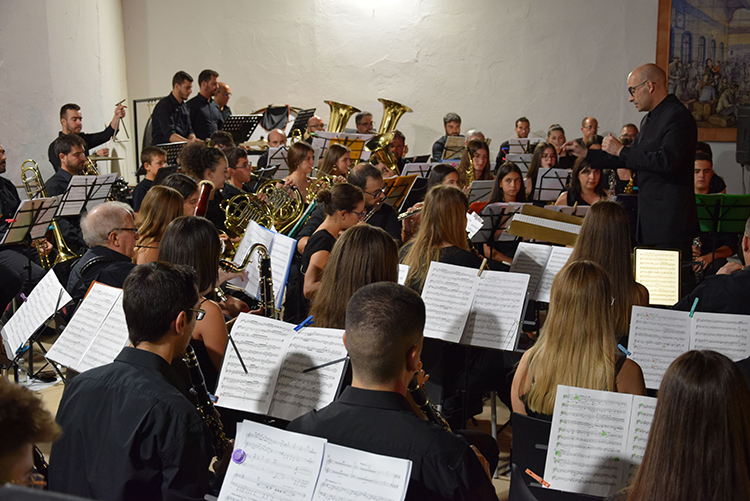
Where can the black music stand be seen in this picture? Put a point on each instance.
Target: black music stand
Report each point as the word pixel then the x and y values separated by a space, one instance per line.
pixel 550 184
pixel 397 189
pixel 241 127
pixel 522 160
pixel 300 122
pixel 418 159
pixel 422 169
pixel 84 193
pixel 355 143
pixel 172 150
pixel 480 191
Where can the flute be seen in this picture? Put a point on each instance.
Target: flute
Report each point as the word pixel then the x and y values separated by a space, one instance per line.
pixel 409 213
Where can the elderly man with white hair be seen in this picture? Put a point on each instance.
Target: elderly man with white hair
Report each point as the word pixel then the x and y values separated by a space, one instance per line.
pixel 110 233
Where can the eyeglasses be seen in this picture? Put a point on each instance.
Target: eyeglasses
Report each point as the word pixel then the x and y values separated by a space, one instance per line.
pixel 199 314
pixel 134 230
pixel 631 90
pixel 377 193
pixel 227 94
pixel 360 215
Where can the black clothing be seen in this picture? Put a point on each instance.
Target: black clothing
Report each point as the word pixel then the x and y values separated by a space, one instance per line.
pixel 449 255
pixel 169 117
pixel 382 422
pixel 70 226
pixel 12 283
pixel 504 147
pixel 110 268
pixel 720 294
pixel 9 202
pixel 437 149
pixel 263 160
pixel 716 184
pixel 297 306
pixel 385 218
pixel 214 212
pixel 319 241
pixel 58 183
pixel 573 198
pixel 230 191
pixel 139 192
pixel 129 432
pixel 597 140
pixel 664 154
pixel 205 116
pixel 710 242
pixel 91 140
pixel 226 113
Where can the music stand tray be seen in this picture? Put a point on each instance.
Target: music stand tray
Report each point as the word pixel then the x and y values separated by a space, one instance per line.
pixel 721 213
pixel 300 121
pixel 241 127
pixel 480 191
pixel 172 150
pixel 397 189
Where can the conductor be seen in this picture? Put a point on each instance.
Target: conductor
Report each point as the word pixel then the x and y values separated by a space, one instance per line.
pixel 663 152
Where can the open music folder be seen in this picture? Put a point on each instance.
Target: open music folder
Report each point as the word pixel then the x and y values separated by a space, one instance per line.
pixel 658 337
pixel 465 308
pixel 269 463
pixel 267 377
pixel 97 332
pixel 281 249
pixel 597 440
pixel 541 263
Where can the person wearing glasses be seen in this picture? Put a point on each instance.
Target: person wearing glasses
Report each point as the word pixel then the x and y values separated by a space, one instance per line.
pixel 129 431
pixel 110 233
pixel 662 153
pixel 589 129
pixel 221 98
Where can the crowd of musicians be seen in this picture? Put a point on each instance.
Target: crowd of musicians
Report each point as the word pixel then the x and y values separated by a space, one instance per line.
pixel 130 429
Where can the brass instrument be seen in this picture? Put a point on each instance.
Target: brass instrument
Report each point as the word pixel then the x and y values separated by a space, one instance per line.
pixel 90 168
pixel 392 112
pixel 241 209
pixel 286 208
pixel 32 181
pixel 409 213
pixel 204 404
pixel 296 136
pixel 324 182
pixel 470 176
pixel 340 115
pixel 266 278
pixel 120 188
pixel 378 145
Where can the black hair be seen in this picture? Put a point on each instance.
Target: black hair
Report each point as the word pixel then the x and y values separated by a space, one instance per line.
pixel 65 107
pixel 65 143
pixel 497 194
pixel 438 173
pixel 222 139
pixel 361 173
pixel 233 155
pixel 180 77
pixel 205 76
pixel 193 241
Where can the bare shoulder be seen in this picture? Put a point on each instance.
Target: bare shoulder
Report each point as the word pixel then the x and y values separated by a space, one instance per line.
pixel 630 379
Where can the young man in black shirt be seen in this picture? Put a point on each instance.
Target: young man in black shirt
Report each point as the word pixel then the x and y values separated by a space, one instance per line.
pixel 170 120
pixel 153 158
pixel 384 323
pixel 452 126
pixel 205 115
pixel 129 430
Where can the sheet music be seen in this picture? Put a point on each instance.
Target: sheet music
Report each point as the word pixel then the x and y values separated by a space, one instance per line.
pixel 348 474
pixel 531 259
pixel 727 334
pixel 548 223
pixel 641 417
pixel 297 393
pixel 276 464
pixel 254 233
pixel 448 294
pixel 657 338
pixel 99 194
pixel 496 310
pixel 587 439
pixel 71 346
pixel 37 309
pixel 46 214
pixel 474 223
pixel 281 251
pixel 32 216
pixel 262 343
pixel 421 169
pixel 109 341
pixel 558 258
pixel 659 271
pixel 403 272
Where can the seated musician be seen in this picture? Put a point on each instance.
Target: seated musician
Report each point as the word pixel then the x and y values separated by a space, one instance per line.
pixel 476 156
pixel 398 149
pixel 153 158
pixel 440 174
pixel 545 157
pixel 508 187
pixel 585 187
pixel 238 169
pixel 384 323
pixel 129 432
pixel 15 258
pixel 209 164
pixel 187 187
pixel 111 234
pixel 716 184
pixel 714 249
pixel 452 126
pixel 314 124
pixel 336 162
pixel 24 422
pixel 522 129
pixel 221 98
pixel 556 137
pixel 170 119
pixel 160 207
pixel 205 114
pixel 300 159
pixel 589 129
pixel 577 345
pixel 370 180
pixel 70 149
pixel 276 139
pixel 72 123
pixel 221 139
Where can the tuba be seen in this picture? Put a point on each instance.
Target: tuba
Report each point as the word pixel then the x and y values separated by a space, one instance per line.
pixel 32 181
pixel 378 145
pixel 340 115
pixel 392 112
pixel 286 208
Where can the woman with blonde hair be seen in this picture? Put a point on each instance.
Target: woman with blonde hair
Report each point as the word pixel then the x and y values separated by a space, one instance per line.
pixel 576 346
pixel 441 235
pixel 362 255
pixel 605 239
pixel 159 207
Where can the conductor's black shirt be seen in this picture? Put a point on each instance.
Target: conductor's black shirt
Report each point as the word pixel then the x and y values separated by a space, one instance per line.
pixel 91 140
pixel 170 117
pixel 205 116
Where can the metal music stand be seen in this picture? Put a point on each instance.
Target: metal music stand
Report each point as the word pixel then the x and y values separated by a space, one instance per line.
pixel 721 213
pixel 397 189
pixel 454 147
pixel 85 193
pixel 522 160
pixel 277 157
pixel 241 127
pixel 421 169
pixel 480 191
pixel 172 150
pixel 550 184
pixel 355 143
pixel 300 122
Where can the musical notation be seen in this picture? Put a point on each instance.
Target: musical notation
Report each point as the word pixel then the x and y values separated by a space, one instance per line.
pixel 558 258
pixel 542 263
pixel 657 338
pixel 595 438
pixel 659 271
pixel 448 294
pixel 727 334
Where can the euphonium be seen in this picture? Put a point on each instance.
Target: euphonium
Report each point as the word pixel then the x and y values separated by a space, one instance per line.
pixel 378 146
pixel 286 208
pixel 392 112
pixel 340 115
pixel 32 181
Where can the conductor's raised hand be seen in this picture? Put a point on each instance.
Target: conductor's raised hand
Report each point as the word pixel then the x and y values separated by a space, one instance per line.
pixel 612 145
pixel 575 149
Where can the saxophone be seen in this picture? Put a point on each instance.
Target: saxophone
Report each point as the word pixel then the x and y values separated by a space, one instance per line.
pixel 266 277
pixel 205 406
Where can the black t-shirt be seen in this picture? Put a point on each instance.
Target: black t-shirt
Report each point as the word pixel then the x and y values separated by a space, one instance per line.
pixel 319 241
pixel 205 116
pixel 139 192
pixel 170 117
pixel 91 141
pixel 214 212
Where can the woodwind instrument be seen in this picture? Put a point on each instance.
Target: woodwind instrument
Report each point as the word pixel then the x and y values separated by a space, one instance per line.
pixel 205 188
pixel 204 404
pixel 374 209
pixel 420 397
pixel 409 213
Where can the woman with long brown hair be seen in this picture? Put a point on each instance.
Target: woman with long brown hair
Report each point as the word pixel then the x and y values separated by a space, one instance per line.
pixel 585 187
pixel 300 159
pixel 545 157
pixel 576 346
pixel 159 207
pixel 699 443
pixel 605 239
pixel 362 255
pixel 336 161
pixel 476 156
pixel 441 235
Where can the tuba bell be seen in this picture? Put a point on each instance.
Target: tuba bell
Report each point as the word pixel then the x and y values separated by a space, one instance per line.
pixel 392 112
pixel 340 115
pixel 378 145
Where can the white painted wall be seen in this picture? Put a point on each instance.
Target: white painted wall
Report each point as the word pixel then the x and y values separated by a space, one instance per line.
pixel 51 53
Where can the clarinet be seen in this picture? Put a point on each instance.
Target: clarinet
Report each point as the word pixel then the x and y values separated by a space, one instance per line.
pixel 420 397
pixel 205 406
pixel 266 282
